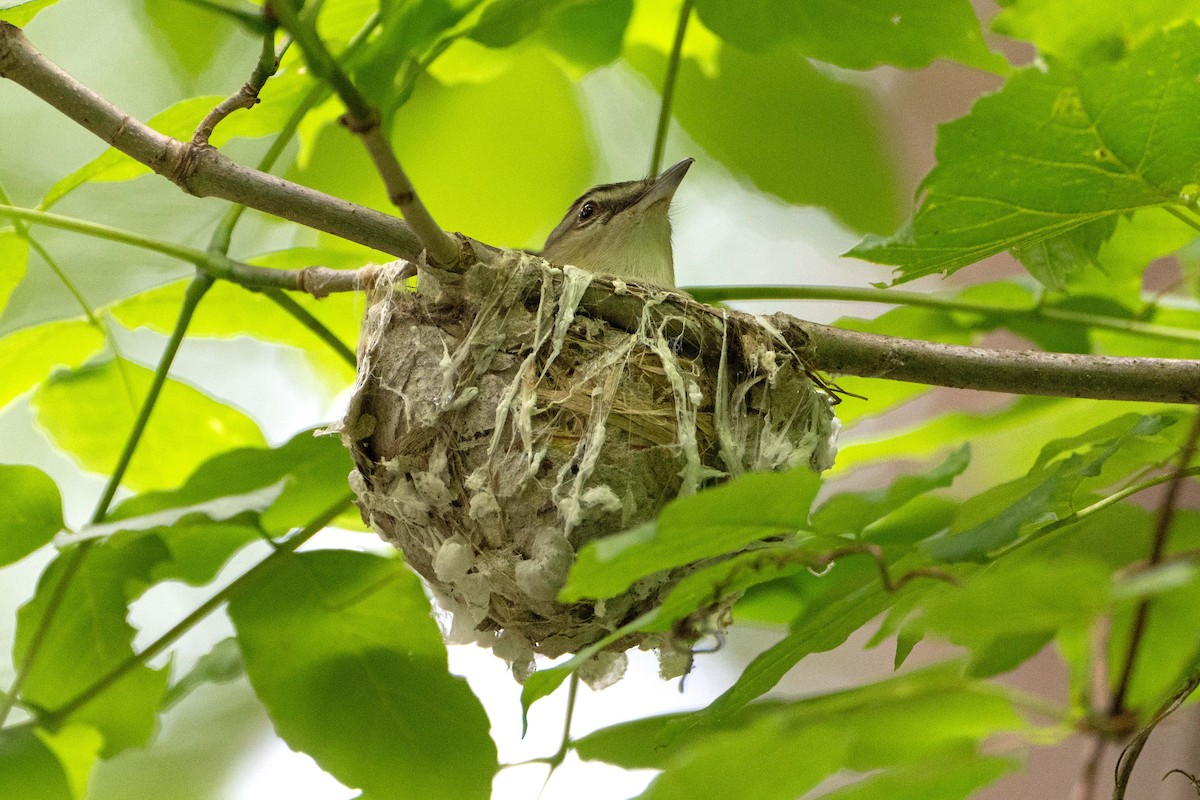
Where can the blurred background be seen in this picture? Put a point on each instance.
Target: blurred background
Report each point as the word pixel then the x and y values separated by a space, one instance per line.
pixel 499 145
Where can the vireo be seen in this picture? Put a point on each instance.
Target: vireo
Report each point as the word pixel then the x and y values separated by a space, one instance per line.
pixel 621 229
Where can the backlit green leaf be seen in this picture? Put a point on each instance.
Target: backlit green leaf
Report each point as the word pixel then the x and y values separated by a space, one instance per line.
pixel 20 14
pixel 29 769
pixel 30 354
pixel 716 521
pixel 1105 33
pixel 856 34
pixel 816 140
pixel 89 413
pixel 89 636
pixel 14 256
pixel 343 641
pixel 30 511
pixel 1049 154
pixel 312 470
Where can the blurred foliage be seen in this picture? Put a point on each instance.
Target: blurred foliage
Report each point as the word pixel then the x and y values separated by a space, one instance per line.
pixel 1000 530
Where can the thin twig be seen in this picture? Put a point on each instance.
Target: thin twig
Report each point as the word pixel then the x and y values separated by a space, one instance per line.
pixel 195 292
pixel 668 91
pixel 201 171
pixel 363 119
pixel 1162 529
pixel 223 235
pixel 1129 756
pixel 56 717
pixel 247 96
pixel 1085 787
pixel 317 281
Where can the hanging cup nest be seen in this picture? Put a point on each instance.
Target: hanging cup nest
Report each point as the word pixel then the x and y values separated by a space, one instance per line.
pixel 508 415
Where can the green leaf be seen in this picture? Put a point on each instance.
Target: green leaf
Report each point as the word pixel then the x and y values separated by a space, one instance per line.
pixel 341 641
pixel 503 206
pixel 716 521
pixel 313 469
pixel 77 748
pixel 798 760
pixel 29 769
pixel 1001 514
pixel 280 95
pixel 851 595
pixel 231 311
pixel 1047 154
pixel 220 665
pixel 190 34
pixel 89 636
pixel 853 512
pixel 30 354
pixel 874 724
pixel 1106 32
pixel 857 34
pixel 841 162
pixel 943 778
pixel 30 511
pixel 589 34
pixel 1031 599
pixel 14 256
pixel 20 14
pixel 1053 261
pixel 186 427
pixel 406 31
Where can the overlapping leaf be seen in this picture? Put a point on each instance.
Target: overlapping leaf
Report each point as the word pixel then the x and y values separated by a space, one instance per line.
pixel 1055 150
pixel 856 34
pixel 343 641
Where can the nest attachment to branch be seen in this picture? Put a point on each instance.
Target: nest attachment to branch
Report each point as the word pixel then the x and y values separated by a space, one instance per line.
pixel 506 416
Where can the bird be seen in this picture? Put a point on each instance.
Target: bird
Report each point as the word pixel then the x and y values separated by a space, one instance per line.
pixel 621 230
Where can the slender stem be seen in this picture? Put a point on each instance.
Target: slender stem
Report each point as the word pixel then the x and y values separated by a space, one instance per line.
pixel 668 92
pixel 195 292
pixel 1094 508
pixel 714 294
pixel 39 634
pixel 363 119
pixel 319 91
pixel 54 718
pixel 1162 529
pixel 1129 756
pixel 247 96
pixel 318 281
pixel 302 315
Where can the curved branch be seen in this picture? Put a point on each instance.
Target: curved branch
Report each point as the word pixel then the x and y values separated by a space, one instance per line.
pixel 206 172
pixel 198 169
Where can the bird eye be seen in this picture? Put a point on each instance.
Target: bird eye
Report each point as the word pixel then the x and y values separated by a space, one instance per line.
pixel 586 211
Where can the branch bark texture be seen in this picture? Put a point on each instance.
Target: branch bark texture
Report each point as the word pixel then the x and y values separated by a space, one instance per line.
pixel 203 171
pixel 198 169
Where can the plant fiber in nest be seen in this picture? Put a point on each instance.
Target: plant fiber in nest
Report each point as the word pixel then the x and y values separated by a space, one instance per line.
pixel 506 416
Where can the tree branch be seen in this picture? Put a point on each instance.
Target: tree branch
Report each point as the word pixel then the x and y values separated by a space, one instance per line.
pixel 206 172
pixel 869 355
pixel 199 170
pixel 247 96
pixel 363 120
pixel 668 91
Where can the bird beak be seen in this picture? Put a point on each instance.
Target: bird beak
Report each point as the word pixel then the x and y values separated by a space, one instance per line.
pixel 664 186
